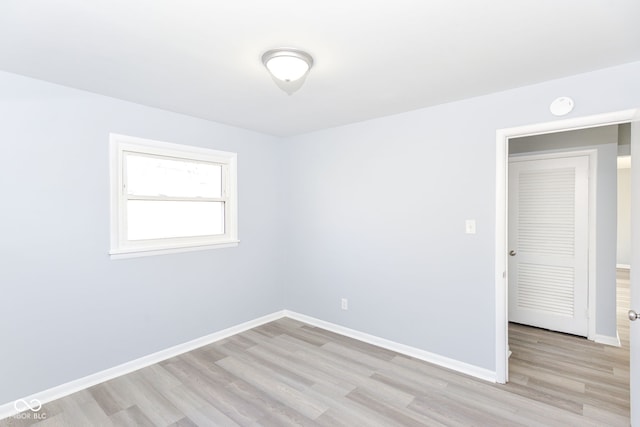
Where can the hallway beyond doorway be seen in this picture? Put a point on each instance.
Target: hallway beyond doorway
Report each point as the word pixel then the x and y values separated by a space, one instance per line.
pixel 573 373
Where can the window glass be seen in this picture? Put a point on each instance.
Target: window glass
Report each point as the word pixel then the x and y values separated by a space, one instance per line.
pixel 166 219
pixel 161 176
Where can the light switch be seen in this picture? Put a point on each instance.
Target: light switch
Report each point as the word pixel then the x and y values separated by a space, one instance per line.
pixel 470 226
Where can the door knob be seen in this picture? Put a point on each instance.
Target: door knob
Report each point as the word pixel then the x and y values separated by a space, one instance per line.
pixel 633 315
pixel 512 253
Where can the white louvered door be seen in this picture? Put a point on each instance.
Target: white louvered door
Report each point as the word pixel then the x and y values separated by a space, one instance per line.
pixel 548 243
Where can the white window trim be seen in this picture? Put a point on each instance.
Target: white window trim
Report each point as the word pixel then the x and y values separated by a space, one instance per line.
pixel 120 247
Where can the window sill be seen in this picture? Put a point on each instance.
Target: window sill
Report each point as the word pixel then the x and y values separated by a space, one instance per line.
pixel 141 252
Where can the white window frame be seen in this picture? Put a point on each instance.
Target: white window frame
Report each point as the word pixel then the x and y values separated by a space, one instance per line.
pixel 121 247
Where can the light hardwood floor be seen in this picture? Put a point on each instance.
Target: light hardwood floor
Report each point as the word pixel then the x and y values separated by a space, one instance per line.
pixel 289 373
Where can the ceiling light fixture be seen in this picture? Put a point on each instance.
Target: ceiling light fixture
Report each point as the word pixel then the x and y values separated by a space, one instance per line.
pixel 288 67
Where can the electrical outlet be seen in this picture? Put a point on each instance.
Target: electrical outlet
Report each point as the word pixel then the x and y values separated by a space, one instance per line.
pixel 344 304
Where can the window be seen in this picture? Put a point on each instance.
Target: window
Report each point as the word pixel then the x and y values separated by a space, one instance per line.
pixel 170 198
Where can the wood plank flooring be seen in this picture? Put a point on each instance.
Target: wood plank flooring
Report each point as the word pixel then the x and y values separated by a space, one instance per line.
pixel 289 373
pixel 573 373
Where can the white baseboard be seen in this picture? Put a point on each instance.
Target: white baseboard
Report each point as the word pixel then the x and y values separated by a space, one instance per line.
pixel 623 266
pixel 436 359
pixel 605 339
pixel 8 409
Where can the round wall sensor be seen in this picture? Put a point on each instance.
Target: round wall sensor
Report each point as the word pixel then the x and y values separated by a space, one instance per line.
pixel 561 106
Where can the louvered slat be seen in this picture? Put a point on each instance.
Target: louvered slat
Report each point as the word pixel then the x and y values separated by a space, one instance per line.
pixel 546 288
pixel 546 226
pixel 546 218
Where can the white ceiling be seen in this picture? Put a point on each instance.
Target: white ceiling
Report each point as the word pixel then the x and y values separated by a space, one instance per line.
pixel 372 57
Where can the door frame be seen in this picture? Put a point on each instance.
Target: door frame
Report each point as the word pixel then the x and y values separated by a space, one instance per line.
pixel 592 155
pixel 502 165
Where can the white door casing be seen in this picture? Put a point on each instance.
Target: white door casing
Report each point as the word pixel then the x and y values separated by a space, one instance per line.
pixel 501 250
pixel 548 242
pixel 634 327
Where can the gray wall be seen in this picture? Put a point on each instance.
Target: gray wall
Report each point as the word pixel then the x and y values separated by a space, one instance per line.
pixel 68 310
pixel 624 217
pixel 376 214
pixel 372 211
pixel 563 141
pixel 605 140
pixel 624 139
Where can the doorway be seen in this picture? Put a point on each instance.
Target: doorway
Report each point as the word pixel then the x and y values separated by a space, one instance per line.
pixel 502 142
pixel 548 228
pixel 601 144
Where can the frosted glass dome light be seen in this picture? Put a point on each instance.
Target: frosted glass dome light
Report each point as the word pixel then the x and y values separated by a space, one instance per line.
pixel 288 66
